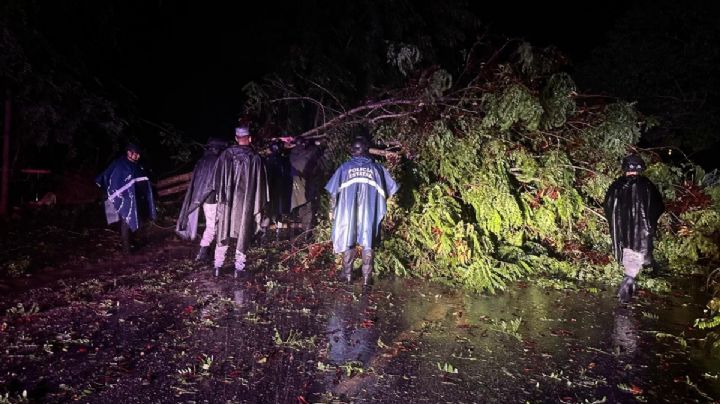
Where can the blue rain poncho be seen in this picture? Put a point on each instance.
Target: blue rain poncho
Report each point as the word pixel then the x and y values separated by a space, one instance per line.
pixel 129 193
pixel 360 188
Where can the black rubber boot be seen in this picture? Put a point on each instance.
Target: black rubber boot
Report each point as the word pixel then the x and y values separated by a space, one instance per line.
pixel 367 266
pixel 347 265
pixel 626 290
pixel 203 255
pixel 125 235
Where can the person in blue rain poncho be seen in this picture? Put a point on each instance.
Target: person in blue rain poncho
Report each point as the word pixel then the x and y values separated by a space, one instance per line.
pixel 129 193
pixel 359 190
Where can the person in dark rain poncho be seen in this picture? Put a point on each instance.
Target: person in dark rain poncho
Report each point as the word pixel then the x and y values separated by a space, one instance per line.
pixel 632 206
pixel 359 190
pixel 304 159
pixel 280 183
pixel 129 193
pixel 200 194
pixel 240 182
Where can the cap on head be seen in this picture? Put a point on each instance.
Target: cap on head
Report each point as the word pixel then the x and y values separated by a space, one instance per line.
pixel 242 131
pixel 633 163
pixel 359 146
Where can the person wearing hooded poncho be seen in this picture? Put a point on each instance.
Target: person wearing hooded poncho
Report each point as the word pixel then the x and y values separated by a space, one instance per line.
pixel 632 207
pixel 129 193
pixel 304 160
pixel 199 194
pixel 359 190
pixel 240 183
pixel 280 184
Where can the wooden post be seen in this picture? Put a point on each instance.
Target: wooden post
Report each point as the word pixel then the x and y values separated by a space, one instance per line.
pixel 5 158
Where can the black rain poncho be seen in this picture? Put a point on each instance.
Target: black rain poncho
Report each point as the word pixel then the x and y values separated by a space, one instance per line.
pixel 240 182
pixel 304 159
pixel 200 190
pixel 633 206
pixel 280 181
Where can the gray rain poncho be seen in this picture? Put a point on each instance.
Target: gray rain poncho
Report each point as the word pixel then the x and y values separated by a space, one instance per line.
pixel 240 182
pixel 200 190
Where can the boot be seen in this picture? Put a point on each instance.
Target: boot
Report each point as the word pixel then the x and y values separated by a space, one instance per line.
pixel 626 290
pixel 125 236
pixel 203 255
pixel 367 266
pixel 240 259
pixel 347 265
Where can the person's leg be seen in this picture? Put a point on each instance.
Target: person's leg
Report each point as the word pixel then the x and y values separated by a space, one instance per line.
pixel 220 252
pixel 368 257
pixel 240 257
pixel 347 265
pixel 264 224
pixel 240 260
pixel 304 216
pixel 125 236
pixel 209 233
pixel 626 289
pixel 209 209
pixel 632 262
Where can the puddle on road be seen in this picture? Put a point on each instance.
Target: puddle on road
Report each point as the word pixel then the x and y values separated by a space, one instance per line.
pixel 411 341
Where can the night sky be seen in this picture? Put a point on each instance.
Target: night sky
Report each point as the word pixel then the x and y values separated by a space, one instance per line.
pixel 184 63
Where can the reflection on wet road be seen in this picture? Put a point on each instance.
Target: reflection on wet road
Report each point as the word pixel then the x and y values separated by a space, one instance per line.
pixel 350 332
pixel 431 344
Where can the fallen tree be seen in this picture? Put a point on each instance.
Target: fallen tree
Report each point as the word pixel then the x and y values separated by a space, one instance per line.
pixel 503 175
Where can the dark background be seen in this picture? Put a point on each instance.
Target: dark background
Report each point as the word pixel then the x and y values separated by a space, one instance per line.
pixel 184 63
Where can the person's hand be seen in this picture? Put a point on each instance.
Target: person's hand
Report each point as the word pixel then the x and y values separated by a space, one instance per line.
pixel 286 139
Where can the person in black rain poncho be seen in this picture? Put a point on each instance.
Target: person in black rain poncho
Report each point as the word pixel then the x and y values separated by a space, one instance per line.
pixel 305 158
pixel 632 207
pixel 129 193
pixel 280 183
pixel 201 194
pixel 359 190
pixel 240 182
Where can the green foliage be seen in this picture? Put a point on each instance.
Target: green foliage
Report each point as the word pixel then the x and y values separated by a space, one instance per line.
pixel 557 100
pixel 404 57
pixel 497 200
pixel 695 244
pixel 515 189
pixel 616 133
pixel 515 105
pixel 447 368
